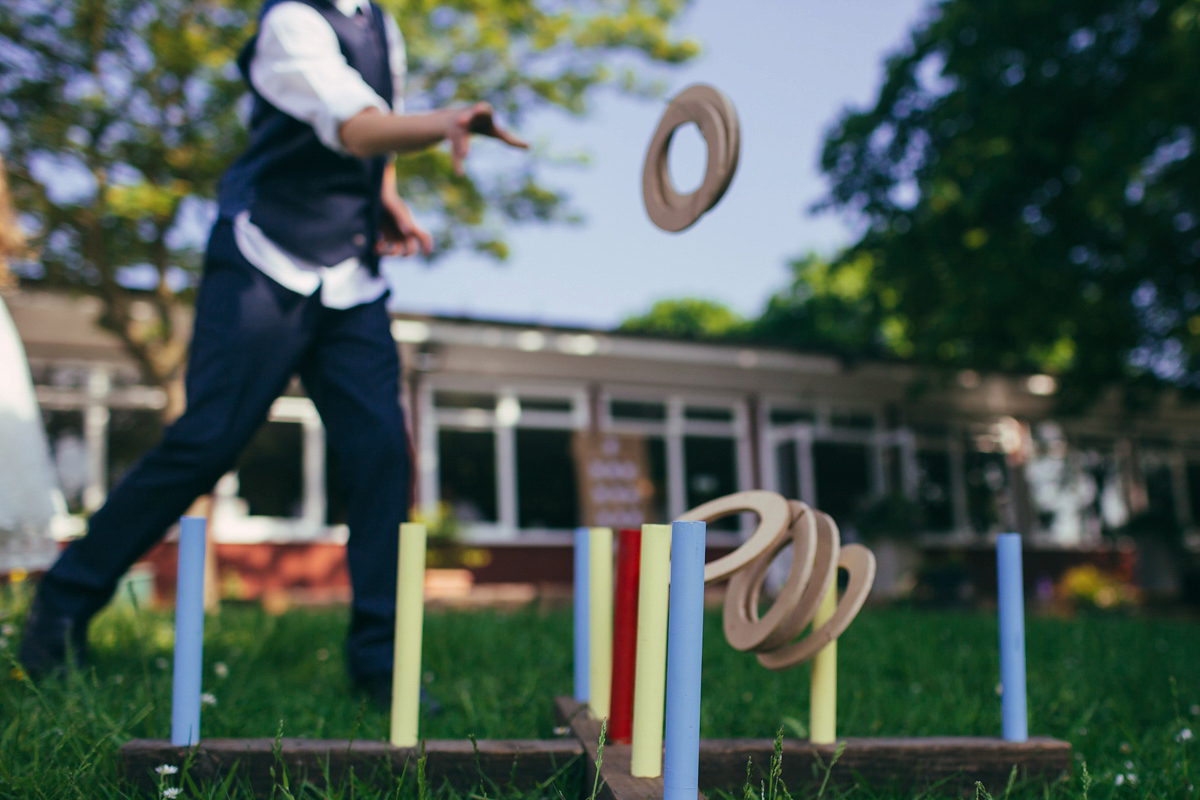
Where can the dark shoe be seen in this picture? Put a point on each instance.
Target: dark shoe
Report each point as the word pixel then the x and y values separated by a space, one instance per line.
pixel 378 690
pixel 51 642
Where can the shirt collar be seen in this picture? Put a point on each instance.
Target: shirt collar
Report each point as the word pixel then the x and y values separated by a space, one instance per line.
pixel 348 7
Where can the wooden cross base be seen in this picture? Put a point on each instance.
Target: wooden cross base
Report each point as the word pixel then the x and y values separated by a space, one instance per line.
pixel 953 763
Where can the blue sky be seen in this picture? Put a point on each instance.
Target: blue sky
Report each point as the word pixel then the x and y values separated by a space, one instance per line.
pixel 789 66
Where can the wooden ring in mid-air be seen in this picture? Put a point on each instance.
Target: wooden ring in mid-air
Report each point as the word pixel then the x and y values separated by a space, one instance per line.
pixel 774 518
pixel 817 554
pixel 714 115
pixel 745 629
pixel 824 575
pixel 859 562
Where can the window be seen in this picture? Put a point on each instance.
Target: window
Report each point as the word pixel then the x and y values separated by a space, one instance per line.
pixel 1105 509
pixel 843 475
pixel 893 468
pixel 553 405
pixel 465 400
pixel 1160 489
pixel 546 482
pixel 858 421
pixel 467 474
pixel 710 471
pixel 636 410
pixel 691 447
pixel 656 467
pixel 131 432
pixel 705 414
pixel 787 473
pixel 505 457
pixel 64 430
pixel 987 481
pixel 1193 487
pixel 835 458
pixel 934 489
pixel 791 416
pixel 270 477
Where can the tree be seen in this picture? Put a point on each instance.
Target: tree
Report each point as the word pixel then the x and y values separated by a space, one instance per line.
pixel 687 318
pixel 1028 184
pixel 116 112
pixel 823 308
pixel 12 242
pixel 117 118
pixel 826 307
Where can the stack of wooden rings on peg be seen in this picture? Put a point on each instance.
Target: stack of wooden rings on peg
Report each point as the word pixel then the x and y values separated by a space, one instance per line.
pixel 817 554
pixel 715 116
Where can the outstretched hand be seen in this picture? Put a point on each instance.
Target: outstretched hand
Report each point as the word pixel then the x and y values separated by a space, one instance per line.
pixel 479 118
pixel 400 233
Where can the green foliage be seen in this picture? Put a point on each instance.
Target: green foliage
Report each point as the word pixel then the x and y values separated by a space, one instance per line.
pixel 114 113
pixel 1028 182
pixel 117 117
pixel 687 318
pixel 826 306
pixel 831 308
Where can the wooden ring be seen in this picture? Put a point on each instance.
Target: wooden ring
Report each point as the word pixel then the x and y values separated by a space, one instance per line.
pixel 817 556
pixel 714 114
pixel 733 137
pixel 825 566
pixel 744 628
pixel 860 563
pixel 774 518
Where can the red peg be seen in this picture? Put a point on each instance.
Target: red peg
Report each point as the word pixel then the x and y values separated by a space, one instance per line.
pixel 624 657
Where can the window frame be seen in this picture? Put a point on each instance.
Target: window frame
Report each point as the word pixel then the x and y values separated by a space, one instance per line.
pixel 504 421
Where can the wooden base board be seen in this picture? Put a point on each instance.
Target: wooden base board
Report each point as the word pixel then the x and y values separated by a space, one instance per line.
pixel 952 763
pixel 615 782
pixel 523 763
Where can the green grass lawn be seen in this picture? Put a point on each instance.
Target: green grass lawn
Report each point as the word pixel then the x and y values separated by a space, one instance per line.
pixel 1124 691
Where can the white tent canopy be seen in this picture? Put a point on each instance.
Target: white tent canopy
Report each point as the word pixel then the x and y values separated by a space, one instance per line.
pixel 29 497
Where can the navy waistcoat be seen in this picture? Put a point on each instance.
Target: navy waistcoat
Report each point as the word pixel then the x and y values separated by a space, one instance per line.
pixel 320 205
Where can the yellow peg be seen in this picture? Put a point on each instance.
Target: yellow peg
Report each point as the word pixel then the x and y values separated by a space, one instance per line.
pixel 600 561
pixel 822 721
pixel 654 587
pixel 410 617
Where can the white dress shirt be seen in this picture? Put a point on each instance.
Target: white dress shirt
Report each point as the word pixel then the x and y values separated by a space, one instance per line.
pixel 298 67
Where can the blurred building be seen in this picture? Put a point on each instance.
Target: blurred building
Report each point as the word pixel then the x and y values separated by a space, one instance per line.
pixel 496 409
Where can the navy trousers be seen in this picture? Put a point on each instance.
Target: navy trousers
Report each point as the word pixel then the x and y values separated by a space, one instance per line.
pixel 251 336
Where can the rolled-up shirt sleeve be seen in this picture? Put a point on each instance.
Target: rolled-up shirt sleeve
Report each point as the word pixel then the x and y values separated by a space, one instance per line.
pixel 298 67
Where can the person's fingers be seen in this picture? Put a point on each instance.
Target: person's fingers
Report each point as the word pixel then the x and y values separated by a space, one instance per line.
pixel 408 245
pixel 426 241
pixel 455 137
pixel 483 122
pixel 461 146
pixel 479 118
pixel 509 139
